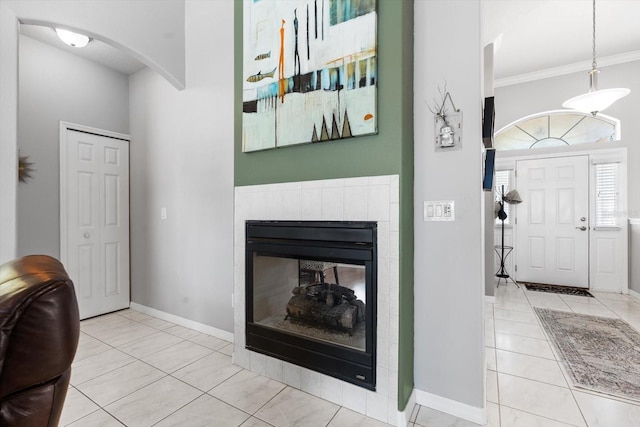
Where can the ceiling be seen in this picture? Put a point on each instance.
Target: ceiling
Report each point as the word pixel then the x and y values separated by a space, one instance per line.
pixel 536 35
pixel 533 37
pixel 96 50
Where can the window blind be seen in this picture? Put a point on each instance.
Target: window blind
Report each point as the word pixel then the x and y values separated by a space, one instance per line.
pixel 606 175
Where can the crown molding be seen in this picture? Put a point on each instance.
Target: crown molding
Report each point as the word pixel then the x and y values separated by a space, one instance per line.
pixel 567 69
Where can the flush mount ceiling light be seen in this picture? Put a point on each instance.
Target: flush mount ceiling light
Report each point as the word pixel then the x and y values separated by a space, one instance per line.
pixel 595 100
pixel 72 39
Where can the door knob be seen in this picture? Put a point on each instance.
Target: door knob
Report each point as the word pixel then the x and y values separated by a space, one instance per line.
pixel 583 228
pixel 86 235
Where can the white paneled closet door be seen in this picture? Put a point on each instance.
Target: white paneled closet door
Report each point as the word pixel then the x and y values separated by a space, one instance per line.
pixel 94 218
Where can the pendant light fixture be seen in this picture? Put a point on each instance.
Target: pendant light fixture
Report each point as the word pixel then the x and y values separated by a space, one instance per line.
pixel 72 39
pixel 595 100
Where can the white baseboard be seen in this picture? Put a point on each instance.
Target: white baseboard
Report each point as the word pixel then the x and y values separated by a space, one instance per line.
pixel 452 407
pixel 404 416
pixel 634 294
pixel 491 299
pixel 187 323
pixel 607 290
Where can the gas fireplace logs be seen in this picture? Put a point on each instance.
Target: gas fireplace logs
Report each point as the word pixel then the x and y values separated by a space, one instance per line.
pixel 326 304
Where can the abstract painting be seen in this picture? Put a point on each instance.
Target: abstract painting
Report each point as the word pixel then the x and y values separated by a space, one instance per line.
pixel 309 71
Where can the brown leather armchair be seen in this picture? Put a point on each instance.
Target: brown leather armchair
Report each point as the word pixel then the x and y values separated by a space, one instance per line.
pixel 39 330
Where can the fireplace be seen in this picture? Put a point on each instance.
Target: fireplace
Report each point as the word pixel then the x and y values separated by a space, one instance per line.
pixel 311 295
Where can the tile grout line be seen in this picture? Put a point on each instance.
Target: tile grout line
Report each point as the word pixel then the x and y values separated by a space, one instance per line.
pixel 267 402
pixel 240 409
pixel 540 416
pixel 180 408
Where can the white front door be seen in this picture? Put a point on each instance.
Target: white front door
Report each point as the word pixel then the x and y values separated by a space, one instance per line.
pixel 94 209
pixel 552 229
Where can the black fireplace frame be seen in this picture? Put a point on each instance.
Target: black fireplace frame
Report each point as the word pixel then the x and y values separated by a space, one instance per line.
pixel 352 242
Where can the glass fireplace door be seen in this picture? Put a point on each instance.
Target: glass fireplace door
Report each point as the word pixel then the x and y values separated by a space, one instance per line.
pixel 310 295
pixel 319 300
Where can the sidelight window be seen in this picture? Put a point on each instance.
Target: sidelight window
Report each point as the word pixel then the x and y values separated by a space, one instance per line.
pixel 606 200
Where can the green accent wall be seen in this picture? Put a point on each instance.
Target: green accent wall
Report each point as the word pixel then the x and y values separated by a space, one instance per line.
pixel 390 152
pixel 406 333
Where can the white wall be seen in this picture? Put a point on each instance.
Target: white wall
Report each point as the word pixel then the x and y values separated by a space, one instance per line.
pixel 182 160
pixel 449 281
pixel 71 89
pixel 8 132
pixel 519 100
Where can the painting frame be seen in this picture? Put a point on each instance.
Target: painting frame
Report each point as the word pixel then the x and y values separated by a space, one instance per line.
pixel 310 72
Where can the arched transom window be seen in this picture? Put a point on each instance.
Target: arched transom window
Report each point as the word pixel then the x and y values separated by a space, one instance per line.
pixel 555 129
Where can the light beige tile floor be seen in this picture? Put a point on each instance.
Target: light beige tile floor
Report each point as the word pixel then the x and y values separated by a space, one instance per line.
pixel 526 383
pixel 167 375
pixel 135 370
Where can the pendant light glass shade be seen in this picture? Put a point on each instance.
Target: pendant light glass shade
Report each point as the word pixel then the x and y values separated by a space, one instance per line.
pixel 72 39
pixel 595 100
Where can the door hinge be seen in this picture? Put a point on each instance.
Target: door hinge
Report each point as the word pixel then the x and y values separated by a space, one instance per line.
pixel 516 221
pixel 516 268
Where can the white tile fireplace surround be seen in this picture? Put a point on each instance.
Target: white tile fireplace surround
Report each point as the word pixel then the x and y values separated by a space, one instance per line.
pixel 350 199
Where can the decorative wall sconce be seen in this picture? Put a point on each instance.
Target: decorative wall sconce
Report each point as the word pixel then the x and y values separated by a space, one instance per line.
pixel 25 169
pixel 447 124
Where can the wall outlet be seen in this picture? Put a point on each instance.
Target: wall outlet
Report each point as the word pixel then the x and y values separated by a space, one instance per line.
pixel 439 210
pixel 163 213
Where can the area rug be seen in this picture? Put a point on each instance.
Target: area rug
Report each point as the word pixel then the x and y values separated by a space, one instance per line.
pixel 599 353
pixel 565 290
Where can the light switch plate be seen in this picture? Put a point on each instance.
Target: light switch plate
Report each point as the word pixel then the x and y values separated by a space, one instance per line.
pixel 439 210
